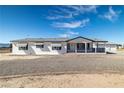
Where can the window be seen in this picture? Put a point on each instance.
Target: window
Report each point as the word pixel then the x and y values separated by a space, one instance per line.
pixel 56 48
pixel 81 46
pixel 40 46
pixel 88 45
pixel 23 47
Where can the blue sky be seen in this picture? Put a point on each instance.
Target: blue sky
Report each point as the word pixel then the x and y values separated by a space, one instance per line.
pixel 104 22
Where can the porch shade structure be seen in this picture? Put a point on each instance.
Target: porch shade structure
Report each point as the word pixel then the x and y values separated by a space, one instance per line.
pixel 79 44
pixel 84 45
pixel 78 47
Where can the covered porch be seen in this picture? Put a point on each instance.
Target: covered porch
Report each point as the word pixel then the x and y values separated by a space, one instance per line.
pixel 85 45
pixel 85 48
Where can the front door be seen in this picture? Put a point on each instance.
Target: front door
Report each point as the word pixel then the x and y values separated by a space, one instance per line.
pixel 80 47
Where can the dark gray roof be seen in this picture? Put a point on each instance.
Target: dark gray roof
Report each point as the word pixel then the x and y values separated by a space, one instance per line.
pixel 99 40
pixel 52 39
pixel 112 43
pixel 41 40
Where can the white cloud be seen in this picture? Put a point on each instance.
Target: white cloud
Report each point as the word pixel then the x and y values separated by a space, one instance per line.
pixel 71 10
pixel 84 8
pixel 61 13
pixel 71 25
pixel 73 33
pixel 64 35
pixel 68 34
pixel 111 15
pixel 59 17
pixel 68 25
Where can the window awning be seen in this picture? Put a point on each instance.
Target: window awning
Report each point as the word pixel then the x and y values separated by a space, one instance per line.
pixel 58 45
pixel 22 45
pixel 38 43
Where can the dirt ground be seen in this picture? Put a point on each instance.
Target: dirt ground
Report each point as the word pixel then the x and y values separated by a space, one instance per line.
pixel 70 70
pixel 65 81
pixel 68 63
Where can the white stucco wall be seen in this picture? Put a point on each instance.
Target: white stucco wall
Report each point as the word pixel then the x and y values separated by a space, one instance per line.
pixel 32 50
pixel 111 48
pixel 16 51
pixel 47 50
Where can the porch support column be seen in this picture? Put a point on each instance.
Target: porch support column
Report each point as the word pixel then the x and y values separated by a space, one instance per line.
pixel 105 47
pixel 85 47
pixel 95 47
pixel 91 46
pixel 76 47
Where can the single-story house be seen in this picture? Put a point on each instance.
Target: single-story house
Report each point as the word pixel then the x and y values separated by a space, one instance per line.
pixel 43 46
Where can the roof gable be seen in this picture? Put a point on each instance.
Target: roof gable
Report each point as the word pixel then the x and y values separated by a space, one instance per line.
pixel 80 39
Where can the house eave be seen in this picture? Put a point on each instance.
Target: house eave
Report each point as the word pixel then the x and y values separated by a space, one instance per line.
pixel 56 41
pixel 35 41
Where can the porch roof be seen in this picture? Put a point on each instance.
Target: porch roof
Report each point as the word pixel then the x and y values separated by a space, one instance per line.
pixel 93 40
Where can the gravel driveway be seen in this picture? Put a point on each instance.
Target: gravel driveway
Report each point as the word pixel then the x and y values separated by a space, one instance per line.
pixel 64 63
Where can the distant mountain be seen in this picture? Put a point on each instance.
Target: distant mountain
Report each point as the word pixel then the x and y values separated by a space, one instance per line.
pixel 4 45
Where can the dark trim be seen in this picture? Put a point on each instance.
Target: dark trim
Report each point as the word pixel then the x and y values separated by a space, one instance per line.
pixel 85 38
pixel 100 41
pixel 80 37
